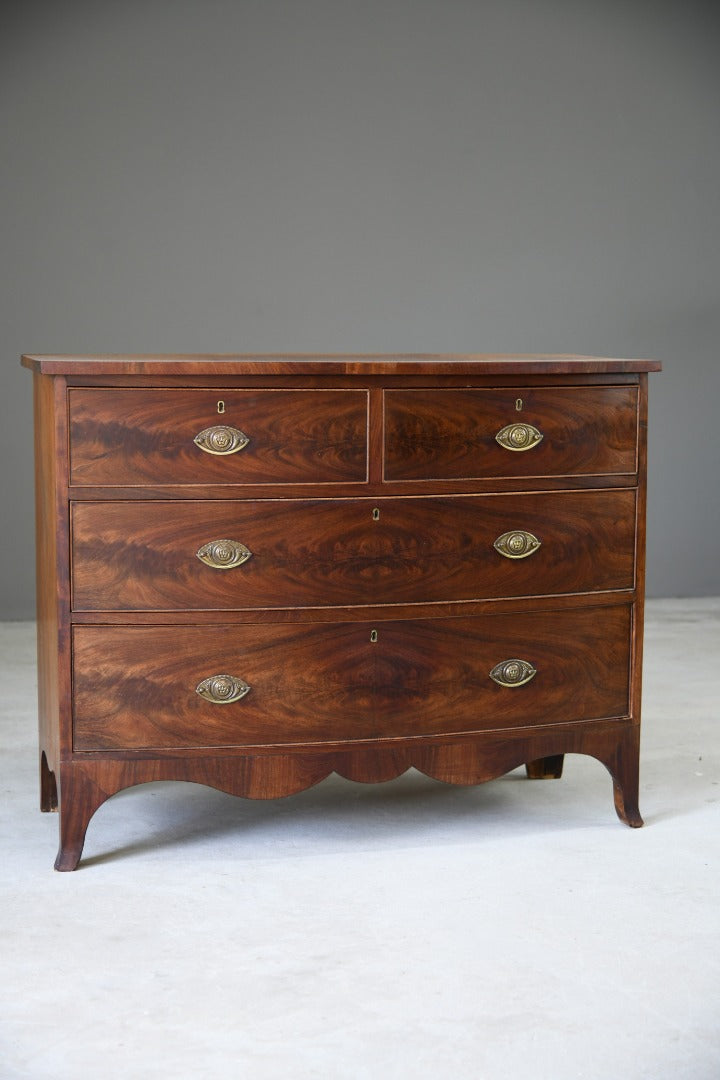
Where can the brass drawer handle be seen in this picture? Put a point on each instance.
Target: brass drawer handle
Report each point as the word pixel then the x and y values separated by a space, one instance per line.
pixel 513 673
pixel 223 554
pixel 519 437
pixel 517 544
pixel 222 689
pixel 221 439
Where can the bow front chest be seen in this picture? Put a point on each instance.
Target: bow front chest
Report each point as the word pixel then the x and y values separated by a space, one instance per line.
pixel 257 570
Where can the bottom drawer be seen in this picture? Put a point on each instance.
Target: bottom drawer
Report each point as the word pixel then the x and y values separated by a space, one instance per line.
pixel 137 687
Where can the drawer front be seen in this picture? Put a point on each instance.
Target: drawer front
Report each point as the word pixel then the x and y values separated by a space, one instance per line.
pixel 128 437
pixel 452 434
pixel 137 556
pixel 138 687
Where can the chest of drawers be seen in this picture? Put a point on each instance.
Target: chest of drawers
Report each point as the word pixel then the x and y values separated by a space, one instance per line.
pixel 256 570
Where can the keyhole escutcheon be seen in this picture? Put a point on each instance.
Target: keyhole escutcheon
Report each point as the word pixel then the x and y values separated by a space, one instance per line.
pixel 221 407
pixel 519 404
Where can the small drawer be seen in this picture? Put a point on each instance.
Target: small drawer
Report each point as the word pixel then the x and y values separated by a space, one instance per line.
pixel 516 432
pixel 145 556
pixel 131 437
pixel 174 687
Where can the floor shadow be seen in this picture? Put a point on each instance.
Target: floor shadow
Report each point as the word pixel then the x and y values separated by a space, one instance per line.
pixel 338 814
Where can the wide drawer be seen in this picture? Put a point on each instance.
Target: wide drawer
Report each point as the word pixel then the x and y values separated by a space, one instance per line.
pixel 517 432
pixel 131 436
pixel 142 687
pixel 140 556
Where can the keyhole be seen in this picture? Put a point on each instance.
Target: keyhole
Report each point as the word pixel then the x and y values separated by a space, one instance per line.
pixel 376 514
pixel 373 636
pixel 221 407
pixel 519 404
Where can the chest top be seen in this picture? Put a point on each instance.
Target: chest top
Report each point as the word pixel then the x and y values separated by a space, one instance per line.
pixel 229 364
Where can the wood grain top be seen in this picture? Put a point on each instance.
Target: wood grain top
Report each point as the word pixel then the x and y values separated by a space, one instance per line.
pixel 333 364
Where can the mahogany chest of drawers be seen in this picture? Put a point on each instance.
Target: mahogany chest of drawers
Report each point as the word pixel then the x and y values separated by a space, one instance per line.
pixel 256 570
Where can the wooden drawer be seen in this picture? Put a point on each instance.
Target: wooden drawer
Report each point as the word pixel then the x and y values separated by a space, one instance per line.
pixel 135 436
pixel 451 434
pixel 138 556
pixel 135 687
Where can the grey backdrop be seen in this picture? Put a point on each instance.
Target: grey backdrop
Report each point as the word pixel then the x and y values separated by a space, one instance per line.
pixel 235 175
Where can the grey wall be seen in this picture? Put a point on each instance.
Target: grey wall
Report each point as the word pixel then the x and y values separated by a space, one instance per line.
pixel 233 175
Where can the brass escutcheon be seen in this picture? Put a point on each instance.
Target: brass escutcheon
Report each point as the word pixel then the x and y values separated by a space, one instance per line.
pixel 517 544
pixel 513 673
pixel 221 439
pixel 373 636
pixel 519 437
pixel 222 689
pixel 223 554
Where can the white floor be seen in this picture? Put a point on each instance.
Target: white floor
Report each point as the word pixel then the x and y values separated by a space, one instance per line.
pixel 409 930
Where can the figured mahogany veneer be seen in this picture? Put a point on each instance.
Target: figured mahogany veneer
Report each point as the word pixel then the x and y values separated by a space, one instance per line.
pixel 147 436
pixel 139 556
pixel 444 434
pixel 135 686
pixel 406 590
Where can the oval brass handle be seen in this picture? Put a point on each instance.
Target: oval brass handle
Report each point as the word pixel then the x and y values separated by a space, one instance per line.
pixel 223 554
pixel 513 673
pixel 222 689
pixel 221 439
pixel 517 544
pixel 519 437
